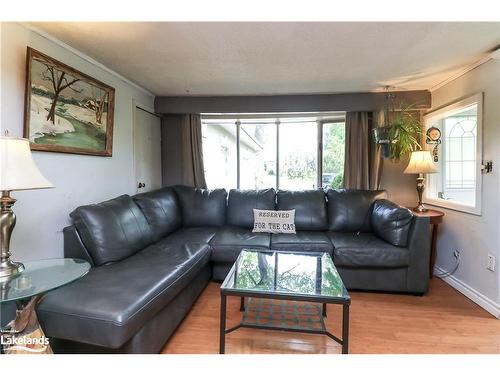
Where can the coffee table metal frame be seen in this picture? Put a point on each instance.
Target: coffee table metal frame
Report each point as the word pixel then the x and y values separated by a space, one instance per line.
pixel 276 295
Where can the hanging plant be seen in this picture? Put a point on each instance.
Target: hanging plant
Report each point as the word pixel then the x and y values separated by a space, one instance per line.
pixel 382 138
pixel 404 132
pixel 401 132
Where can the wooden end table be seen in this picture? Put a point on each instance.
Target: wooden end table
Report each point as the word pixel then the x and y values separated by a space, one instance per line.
pixel 436 218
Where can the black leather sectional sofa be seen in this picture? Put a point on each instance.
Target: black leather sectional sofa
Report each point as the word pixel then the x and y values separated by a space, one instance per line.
pixel 154 253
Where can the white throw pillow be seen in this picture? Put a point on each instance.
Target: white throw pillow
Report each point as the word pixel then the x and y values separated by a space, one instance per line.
pixel 270 221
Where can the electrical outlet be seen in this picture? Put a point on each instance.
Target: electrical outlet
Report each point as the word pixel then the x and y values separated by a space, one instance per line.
pixel 456 254
pixel 491 263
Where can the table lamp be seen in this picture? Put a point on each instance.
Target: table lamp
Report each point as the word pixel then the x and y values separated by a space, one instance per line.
pixel 420 163
pixel 18 171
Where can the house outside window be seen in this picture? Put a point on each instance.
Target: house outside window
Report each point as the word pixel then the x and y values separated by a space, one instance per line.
pixel 219 151
pixel 293 152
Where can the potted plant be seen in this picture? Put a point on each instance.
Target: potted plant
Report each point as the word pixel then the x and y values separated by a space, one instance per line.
pixel 405 131
pixel 381 135
pixel 401 136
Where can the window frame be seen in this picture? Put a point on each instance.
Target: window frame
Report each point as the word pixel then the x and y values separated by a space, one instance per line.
pixel 322 118
pixel 321 124
pixel 445 111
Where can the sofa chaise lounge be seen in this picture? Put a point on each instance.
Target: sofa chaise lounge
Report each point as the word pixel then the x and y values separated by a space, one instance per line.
pixel 153 254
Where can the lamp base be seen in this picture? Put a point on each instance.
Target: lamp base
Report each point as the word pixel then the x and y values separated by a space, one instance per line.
pixel 10 268
pixel 420 208
pixel 420 189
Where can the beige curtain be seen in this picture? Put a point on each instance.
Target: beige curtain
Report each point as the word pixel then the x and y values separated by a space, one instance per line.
pixel 192 151
pixel 363 163
pixel 377 162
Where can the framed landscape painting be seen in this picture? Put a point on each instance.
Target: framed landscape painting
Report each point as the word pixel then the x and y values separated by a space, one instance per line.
pixel 66 110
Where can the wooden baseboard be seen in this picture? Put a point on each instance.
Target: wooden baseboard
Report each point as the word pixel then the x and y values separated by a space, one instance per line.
pixel 486 303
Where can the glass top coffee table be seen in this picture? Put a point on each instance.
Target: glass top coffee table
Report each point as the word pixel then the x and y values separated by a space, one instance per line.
pixel 268 279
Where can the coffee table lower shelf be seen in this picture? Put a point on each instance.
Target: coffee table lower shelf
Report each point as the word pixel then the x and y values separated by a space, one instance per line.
pixel 284 315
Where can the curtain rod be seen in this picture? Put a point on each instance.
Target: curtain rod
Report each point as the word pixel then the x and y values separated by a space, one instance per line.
pixel 231 116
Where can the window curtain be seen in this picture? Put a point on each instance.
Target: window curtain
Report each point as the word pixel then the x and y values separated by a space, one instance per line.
pixel 182 152
pixel 192 151
pixel 363 162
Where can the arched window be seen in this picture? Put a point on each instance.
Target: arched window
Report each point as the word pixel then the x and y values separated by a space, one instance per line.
pixel 457 184
pixel 460 145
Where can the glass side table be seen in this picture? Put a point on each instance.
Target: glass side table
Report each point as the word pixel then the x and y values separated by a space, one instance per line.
pixel 26 288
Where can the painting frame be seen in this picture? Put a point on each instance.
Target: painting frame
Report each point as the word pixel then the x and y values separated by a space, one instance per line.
pixel 83 79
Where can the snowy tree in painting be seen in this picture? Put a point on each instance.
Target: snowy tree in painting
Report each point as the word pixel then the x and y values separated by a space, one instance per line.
pixel 60 81
pixel 67 110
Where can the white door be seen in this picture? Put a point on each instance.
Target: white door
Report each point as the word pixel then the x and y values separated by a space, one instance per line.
pixel 147 150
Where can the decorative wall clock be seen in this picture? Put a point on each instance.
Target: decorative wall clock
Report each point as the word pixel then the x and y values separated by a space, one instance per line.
pixel 434 138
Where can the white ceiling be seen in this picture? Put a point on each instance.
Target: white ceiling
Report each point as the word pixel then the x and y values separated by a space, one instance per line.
pixel 280 58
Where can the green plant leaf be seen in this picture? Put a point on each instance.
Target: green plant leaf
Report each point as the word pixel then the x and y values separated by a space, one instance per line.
pixel 404 133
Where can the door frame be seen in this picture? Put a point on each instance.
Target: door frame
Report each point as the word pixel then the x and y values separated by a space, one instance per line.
pixel 137 104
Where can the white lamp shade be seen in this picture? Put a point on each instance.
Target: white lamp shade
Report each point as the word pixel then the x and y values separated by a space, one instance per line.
pixel 421 162
pixel 18 169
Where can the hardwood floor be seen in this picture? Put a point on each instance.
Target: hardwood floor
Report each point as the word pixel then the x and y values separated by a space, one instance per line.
pixel 443 321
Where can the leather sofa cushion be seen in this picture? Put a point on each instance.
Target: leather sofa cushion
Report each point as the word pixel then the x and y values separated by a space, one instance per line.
pixel 302 241
pixel 161 210
pixel 112 230
pixel 366 250
pixel 350 210
pixel 202 207
pixel 391 222
pixel 111 303
pixel 229 241
pixel 193 234
pixel 242 202
pixel 309 205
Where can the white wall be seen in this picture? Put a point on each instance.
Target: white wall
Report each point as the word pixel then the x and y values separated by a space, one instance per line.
pixel 476 236
pixel 401 188
pixel 42 214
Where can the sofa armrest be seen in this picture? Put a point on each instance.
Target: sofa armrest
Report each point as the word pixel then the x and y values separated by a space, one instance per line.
pixel 419 246
pixel 391 222
pixel 73 245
